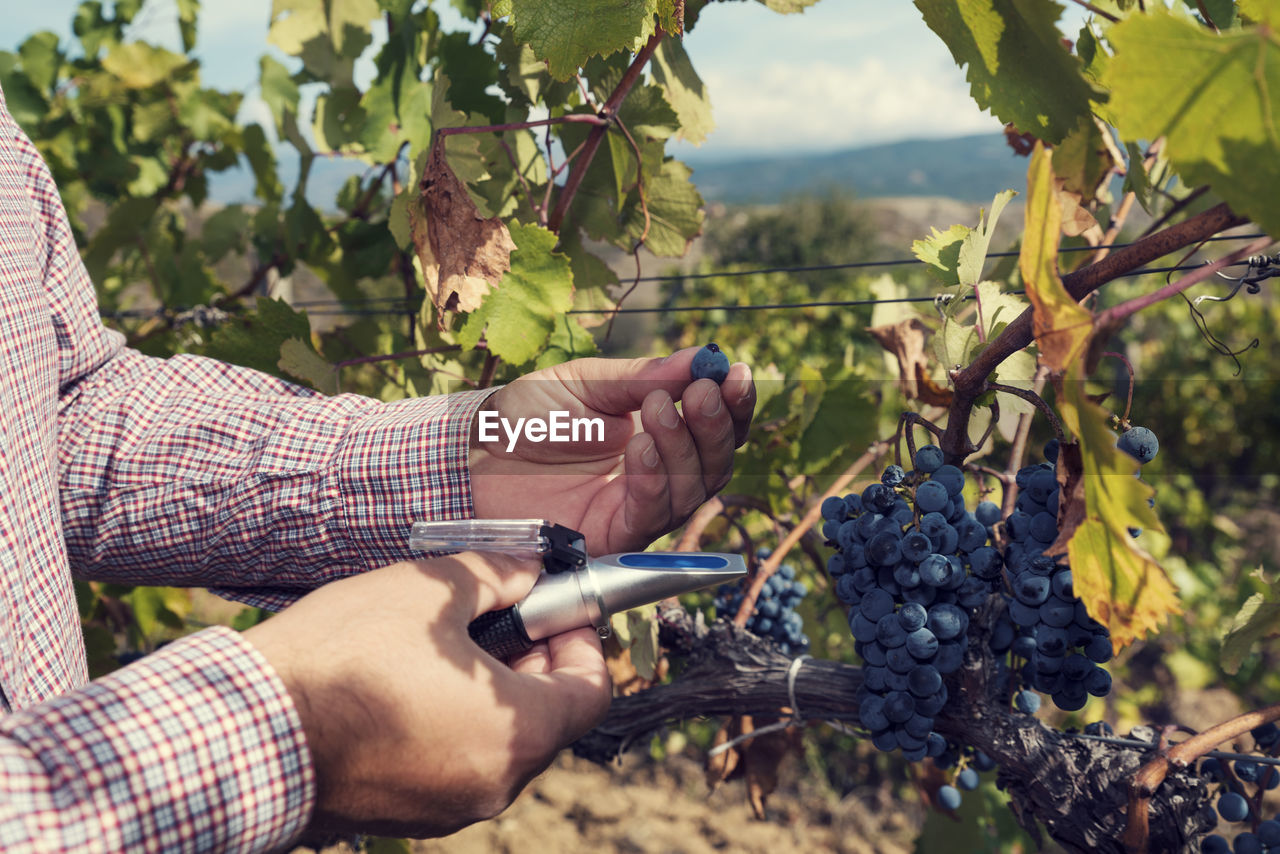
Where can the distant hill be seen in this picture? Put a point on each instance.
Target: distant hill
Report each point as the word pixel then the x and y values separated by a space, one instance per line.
pixel 967 168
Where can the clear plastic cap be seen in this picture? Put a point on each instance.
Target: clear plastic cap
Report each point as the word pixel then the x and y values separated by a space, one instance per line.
pixel 510 536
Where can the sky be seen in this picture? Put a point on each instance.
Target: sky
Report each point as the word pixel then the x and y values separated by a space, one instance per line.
pixel 843 74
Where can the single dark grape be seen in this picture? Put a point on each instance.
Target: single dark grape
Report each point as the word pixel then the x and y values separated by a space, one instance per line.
pixel 1233 807
pixel 1139 443
pixel 967 779
pixel 710 363
pixel 932 496
pixel 949 797
pixel 1246 843
pixel 928 459
pixel 893 475
pixel 1269 833
pixel 1027 702
pixel 1215 844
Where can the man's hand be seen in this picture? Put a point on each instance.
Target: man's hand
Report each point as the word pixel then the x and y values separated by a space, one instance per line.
pixel 413 729
pixel 655 466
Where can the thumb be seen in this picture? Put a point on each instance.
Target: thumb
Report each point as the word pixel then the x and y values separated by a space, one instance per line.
pixel 619 386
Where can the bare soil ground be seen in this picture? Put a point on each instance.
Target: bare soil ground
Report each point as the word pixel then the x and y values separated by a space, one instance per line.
pixel 646 807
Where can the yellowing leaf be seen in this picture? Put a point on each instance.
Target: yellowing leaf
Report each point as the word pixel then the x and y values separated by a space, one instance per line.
pixel 1121 585
pixel 1214 97
pixel 1061 326
pixel 1261 11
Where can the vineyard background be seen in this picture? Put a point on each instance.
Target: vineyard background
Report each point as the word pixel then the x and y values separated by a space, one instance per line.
pixel 138 144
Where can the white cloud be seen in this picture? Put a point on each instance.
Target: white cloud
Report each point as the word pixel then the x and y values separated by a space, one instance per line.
pixel 822 105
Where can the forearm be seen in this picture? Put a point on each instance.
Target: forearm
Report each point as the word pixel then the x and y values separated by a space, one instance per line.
pixel 190 471
pixel 195 748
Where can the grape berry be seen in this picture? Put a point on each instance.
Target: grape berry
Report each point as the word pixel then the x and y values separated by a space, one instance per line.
pixel 710 363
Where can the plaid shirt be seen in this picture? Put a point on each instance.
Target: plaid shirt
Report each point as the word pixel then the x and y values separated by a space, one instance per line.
pixel 185 471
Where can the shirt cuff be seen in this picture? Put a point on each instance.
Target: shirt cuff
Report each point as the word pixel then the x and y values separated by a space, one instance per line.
pixel 196 747
pixel 406 462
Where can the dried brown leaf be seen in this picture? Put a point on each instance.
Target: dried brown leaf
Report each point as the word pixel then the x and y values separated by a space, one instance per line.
pixel 906 341
pixel 762 758
pixel 463 254
pixel 721 766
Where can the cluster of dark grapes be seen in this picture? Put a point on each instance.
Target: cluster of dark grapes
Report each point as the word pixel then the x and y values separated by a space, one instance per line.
pixel 1045 625
pixel 775 617
pixel 911 563
pixel 1235 806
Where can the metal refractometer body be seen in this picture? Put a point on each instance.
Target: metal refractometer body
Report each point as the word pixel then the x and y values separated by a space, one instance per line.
pixel 575 590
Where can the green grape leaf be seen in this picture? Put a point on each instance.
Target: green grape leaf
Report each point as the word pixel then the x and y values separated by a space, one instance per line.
pixel 155 608
pixel 842 421
pixel 1222 13
pixel 300 360
pixel 1261 12
pixel 262 160
pixel 1084 159
pixel 566 33
pixel 1258 620
pixel 684 90
pixel 387 845
pixel 1215 98
pixel 139 65
pixel 1018 67
pixel 1061 325
pixel 1121 585
pixel 569 340
pixel 149 176
pixel 524 76
pixel 188 11
pixel 941 251
pixel 277 89
pixel 518 317
pixel 254 340
pixel 121 228
pixel 224 232
pixel 41 59
pixel 958 254
pixel 25 102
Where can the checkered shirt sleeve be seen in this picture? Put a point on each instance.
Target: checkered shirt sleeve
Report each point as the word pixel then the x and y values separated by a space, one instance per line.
pixel 185 471
pixel 193 748
pixel 189 471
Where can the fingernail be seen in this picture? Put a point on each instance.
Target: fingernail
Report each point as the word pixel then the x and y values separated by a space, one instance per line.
pixel 667 415
pixel 712 405
pixel 649 456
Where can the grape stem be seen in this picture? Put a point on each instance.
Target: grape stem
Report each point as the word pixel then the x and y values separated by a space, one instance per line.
pixel 971 382
pixel 592 143
pixel 1152 774
pixel 1035 400
pixel 810 518
pixel 1117 313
